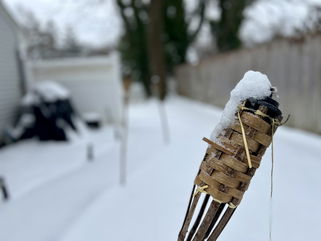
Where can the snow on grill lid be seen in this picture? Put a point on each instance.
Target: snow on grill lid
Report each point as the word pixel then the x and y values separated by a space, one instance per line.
pixel 48 90
pixel 253 84
pixel 51 91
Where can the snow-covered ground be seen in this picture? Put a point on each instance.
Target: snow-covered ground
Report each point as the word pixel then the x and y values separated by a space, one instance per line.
pixel 59 196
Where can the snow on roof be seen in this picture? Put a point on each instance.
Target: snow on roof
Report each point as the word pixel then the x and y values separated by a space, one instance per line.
pixel 4 10
pixel 253 84
pixel 77 61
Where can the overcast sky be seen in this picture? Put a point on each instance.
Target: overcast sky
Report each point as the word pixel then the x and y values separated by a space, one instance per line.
pixel 94 24
pixel 98 24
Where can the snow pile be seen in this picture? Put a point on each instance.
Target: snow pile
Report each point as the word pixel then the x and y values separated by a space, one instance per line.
pixel 254 84
pixel 47 91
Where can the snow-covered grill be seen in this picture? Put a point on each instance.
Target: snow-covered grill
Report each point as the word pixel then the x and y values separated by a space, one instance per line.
pixel 232 157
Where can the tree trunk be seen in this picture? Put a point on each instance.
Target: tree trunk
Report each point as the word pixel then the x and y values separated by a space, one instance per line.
pixel 156 46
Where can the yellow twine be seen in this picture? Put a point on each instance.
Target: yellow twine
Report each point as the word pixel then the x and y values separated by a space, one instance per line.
pixel 200 190
pixel 232 205
pixel 260 113
pixel 245 141
pixel 271 190
pixel 275 123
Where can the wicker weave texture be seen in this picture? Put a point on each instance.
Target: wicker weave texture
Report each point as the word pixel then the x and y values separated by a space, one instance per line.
pixel 225 167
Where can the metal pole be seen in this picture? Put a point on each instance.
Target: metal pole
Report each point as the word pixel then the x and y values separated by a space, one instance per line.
pixel 164 121
pixel 124 144
pixel 90 152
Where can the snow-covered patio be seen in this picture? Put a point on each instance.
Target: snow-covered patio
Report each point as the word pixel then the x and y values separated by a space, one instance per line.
pixel 56 195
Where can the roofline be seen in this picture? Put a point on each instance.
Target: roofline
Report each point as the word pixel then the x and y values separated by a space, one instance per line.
pixel 4 9
pixel 76 61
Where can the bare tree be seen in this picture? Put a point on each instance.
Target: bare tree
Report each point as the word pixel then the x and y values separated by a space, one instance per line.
pixel 156 38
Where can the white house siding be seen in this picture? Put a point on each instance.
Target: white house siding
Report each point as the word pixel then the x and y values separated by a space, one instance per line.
pixel 10 90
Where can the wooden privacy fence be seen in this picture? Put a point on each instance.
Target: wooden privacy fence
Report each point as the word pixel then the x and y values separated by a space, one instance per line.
pixel 294 66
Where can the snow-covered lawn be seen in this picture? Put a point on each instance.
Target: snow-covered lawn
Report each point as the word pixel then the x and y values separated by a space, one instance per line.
pixel 58 196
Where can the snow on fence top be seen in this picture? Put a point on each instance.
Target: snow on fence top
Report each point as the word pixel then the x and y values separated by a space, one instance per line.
pixel 254 84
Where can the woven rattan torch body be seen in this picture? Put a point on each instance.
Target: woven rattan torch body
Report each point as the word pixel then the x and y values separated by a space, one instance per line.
pixel 228 167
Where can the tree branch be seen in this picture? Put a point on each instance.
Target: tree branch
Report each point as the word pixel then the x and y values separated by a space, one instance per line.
pixel 201 13
pixel 136 13
pixel 125 19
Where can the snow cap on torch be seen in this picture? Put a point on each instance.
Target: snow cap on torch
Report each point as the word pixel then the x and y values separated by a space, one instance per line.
pixel 254 84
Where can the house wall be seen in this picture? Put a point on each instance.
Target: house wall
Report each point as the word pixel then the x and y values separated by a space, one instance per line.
pixel 94 83
pixel 293 66
pixel 10 85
